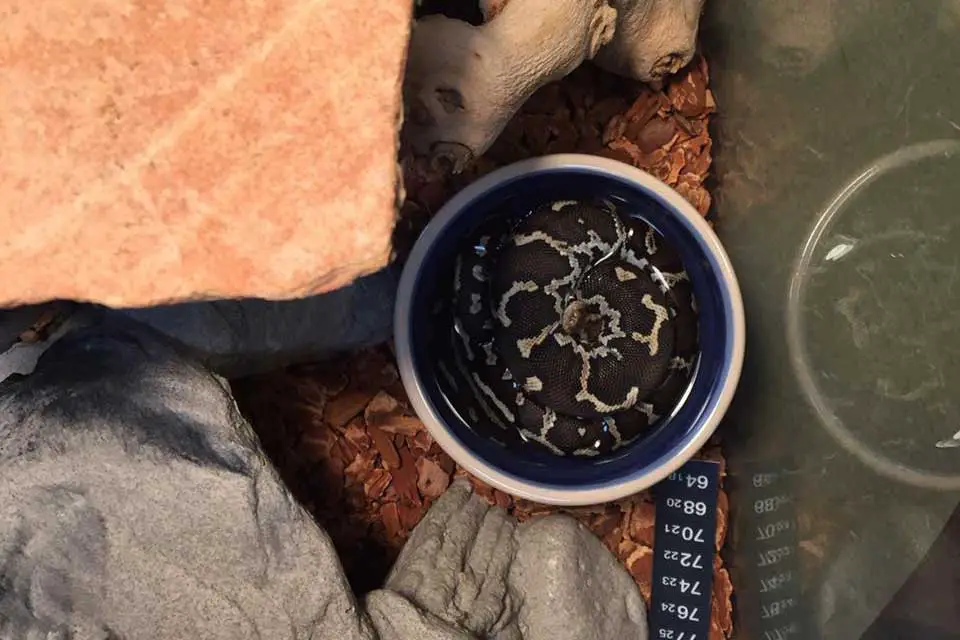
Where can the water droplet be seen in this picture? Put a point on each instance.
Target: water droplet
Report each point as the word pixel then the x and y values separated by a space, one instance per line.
pixel 458 327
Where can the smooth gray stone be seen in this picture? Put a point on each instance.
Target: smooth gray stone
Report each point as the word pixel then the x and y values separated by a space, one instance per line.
pixel 244 337
pixel 135 502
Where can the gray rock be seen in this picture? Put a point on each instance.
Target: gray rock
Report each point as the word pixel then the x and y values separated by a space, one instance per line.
pixel 135 502
pixel 571 586
pixel 470 566
pixel 456 562
pixel 243 337
pixel 396 618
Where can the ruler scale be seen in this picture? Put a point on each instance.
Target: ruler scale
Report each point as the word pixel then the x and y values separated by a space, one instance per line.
pixel 686 524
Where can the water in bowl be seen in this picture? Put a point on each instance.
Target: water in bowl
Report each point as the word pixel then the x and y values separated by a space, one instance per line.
pixel 526 401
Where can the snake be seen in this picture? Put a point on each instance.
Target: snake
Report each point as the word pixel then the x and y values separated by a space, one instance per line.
pixel 574 328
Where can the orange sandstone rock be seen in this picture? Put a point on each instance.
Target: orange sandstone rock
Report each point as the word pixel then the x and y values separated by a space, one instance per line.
pixel 162 151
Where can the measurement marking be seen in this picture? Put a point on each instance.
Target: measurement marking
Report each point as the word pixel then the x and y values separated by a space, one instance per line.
pixel 684 549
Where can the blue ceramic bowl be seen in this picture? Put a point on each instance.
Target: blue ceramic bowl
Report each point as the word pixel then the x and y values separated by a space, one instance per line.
pixel 524 471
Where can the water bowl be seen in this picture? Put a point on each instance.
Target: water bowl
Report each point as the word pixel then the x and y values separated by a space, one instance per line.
pixel 502 457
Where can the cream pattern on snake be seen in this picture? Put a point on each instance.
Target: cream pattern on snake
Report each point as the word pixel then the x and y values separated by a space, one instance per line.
pixel 577 328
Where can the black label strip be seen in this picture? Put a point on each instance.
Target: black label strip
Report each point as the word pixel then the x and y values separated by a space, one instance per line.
pixel 686 525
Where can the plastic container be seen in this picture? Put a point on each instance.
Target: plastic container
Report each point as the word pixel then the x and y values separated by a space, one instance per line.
pixel 836 183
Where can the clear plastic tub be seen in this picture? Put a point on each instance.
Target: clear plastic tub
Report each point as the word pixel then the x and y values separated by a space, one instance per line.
pixel 838 193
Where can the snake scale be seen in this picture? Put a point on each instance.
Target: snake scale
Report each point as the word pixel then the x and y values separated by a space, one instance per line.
pixel 576 328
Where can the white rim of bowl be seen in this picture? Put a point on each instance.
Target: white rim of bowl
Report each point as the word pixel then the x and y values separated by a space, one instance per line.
pixel 434 422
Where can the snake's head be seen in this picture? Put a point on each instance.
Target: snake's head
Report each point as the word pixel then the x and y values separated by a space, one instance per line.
pixel 580 320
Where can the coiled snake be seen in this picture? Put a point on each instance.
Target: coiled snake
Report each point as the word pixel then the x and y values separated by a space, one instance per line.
pixel 577 328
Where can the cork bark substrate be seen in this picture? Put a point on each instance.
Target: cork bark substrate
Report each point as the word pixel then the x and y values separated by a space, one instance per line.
pixel 343 434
